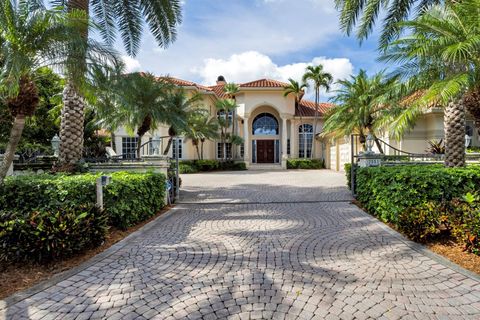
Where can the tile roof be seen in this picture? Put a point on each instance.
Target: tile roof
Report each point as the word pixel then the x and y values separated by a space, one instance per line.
pixel 306 108
pixel 185 83
pixel 264 83
pixel 218 89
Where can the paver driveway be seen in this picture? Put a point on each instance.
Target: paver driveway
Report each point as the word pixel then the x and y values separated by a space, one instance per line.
pixel 256 245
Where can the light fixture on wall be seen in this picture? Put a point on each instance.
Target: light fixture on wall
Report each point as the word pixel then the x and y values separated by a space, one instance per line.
pixel 156 145
pixel 468 139
pixel 369 142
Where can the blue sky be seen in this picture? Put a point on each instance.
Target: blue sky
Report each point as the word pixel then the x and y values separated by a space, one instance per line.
pixel 249 39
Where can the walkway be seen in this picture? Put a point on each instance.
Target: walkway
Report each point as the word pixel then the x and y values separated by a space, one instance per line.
pixel 261 245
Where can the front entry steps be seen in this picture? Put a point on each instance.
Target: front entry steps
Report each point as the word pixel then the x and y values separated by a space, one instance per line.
pixel 265 166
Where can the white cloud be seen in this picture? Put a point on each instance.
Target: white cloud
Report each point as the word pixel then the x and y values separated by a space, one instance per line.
pixel 131 64
pixel 252 65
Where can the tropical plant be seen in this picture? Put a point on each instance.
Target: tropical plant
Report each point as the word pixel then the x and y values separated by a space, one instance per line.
pixel 180 106
pixel 128 17
pixel 31 38
pixel 364 15
pixel 201 127
pixel 363 104
pixel 298 90
pixel 225 108
pixel 320 79
pixel 435 147
pixel 442 49
pixel 231 89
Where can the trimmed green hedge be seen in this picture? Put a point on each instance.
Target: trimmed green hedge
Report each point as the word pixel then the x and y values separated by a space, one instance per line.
pixel 425 201
pixel 46 235
pixel 305 164
pixel 129 198
pixel 194 166
pixel 388 191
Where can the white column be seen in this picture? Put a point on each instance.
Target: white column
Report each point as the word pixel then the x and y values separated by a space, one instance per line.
pixel 246 141
pixel 284 143
pixel 293 140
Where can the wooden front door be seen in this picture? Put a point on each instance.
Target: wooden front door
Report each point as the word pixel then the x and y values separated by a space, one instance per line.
pixel 265 151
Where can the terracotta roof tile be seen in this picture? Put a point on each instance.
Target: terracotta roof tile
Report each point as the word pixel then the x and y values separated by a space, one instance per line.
pixel 264 83
pixel 306 108
pixel 185 83
pixel 218 89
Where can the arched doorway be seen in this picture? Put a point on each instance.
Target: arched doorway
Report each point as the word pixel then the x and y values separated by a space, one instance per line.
pixel 265 138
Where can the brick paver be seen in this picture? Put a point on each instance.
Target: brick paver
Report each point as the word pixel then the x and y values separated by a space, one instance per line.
pixel 293 247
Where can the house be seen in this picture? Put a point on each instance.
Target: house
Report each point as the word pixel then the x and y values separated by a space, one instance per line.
pixel 272 126
pixel 275 129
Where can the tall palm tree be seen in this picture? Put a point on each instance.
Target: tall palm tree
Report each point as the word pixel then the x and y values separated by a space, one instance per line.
pixel 180 103
pixel 363 105
pixel 298 90
pixel 201 127
pixel 320 79
pixel 31 38
pixel 128 18
pixel 363 14
pixel 231 89
pixel 442 48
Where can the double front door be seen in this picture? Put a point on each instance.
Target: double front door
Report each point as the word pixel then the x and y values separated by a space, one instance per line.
pixel 265 151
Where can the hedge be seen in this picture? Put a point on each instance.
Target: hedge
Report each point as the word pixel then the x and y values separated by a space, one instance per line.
pixel 305 164
pixel 195 166
pixel 425 201
pixel 130 198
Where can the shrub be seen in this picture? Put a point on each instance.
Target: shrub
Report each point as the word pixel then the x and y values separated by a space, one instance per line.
pixel 424 221
pixel 388 191
pixel 187 167
pixel 305 164
pixel 232 166
pixel 194 166
pixel 45 235
pixel 130 198
pixel 207 165
pixel 465 214
pixel 348 173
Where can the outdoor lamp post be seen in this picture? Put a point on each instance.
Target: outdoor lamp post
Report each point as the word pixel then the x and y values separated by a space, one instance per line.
pixel 468 139
pixel 369 143
pixel 55 145
pixel 156 145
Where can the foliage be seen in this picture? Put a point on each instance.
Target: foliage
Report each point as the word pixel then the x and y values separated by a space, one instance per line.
pixel 129 199
pixel 422 222
pixel 466 221
pixel 201 127
pixel 44 235
pixel 387 191
pixel 348 173
pixel 305 164
pixel 194 166
pixel 473 150
pixel 436 147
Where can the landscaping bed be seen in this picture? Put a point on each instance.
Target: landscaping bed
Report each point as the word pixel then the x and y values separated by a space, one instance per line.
pixel 195 166
pixel 49 217
pixel 430 204
pixel 305 164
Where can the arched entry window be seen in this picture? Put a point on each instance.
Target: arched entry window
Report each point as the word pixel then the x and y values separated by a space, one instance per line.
pixel 265 124
pixel 305 138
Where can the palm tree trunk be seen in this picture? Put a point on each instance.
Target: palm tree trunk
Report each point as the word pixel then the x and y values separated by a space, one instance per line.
pixel 139 146
pixel 167 148
pixel 198 151
pixel 15 136
pixel 317 94
pixel 454 126
pixel 202 149
pixel 72 118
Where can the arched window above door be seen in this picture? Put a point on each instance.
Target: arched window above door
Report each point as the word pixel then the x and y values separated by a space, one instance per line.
pixel 265 124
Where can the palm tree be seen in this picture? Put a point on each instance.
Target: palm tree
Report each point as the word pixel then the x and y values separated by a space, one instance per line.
pixel 179 103
pixel 320 79
pixel 31 38
pixel 201 127
pixel 224 108
pixel 298 90
pixel 128 18
pixel 363 105
pixel 442 49
pixel 364 15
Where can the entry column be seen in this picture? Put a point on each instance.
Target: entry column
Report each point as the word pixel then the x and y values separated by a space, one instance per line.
pixel 284 142
pixel 246 142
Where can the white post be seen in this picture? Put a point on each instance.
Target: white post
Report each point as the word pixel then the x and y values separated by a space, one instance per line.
pixel 246 142
pixel 284 143
pixel 293 142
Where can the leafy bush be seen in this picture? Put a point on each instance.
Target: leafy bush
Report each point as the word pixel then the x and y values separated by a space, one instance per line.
pixel 305 164
pixel 465 214
pixel 45 235
pixel 424 221
pixel 194 166
pixel 388 191
pixel 130 198
pixel 348 173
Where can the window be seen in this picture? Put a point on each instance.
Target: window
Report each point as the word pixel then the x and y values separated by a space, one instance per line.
pixel 221 115
pixel 242 150
pixel 129 147
pixel 228 147
pixel 180 148
pixel 288 146
pixel 305 138
pixel 265 124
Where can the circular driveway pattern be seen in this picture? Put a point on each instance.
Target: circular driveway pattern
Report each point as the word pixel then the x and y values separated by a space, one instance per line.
pixel 276 254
